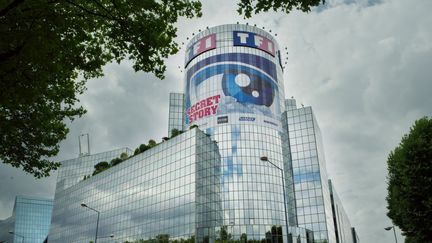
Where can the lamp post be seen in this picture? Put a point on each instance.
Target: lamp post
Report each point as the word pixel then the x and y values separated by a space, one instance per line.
pixel 106 236
pixel 232 231
pixel 13 233
pixel 97 222
pixel 394 231
pixel 265 158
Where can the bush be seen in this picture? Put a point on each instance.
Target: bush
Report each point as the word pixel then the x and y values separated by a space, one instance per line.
pixel 143 148
pixel 116 161
pixel 137 151
pixel 175 132
pixel 152 143
pixel 101 166
pixel 124 156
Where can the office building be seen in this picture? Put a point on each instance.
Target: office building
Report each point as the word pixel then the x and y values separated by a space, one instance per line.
pixel 30 221
pixel 312 193
pixel 354 235
pixel 234 85
pixel 170 191
pixel 73 170
pixel 318 205
pixel 176 114
pixel 253 171
pixel 234 92
pixel 7 225
pixel 343 229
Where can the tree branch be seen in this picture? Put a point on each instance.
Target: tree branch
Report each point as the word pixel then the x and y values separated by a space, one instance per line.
pixel 11 6
pixel 9 54
pixel 88 11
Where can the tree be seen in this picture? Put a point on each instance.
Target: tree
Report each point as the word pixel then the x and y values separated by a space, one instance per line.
pixel 143 148
pixel 175 132
pixel 49 49
pixel 223 233
pixel 193 126
pixel 151 143
pixel 163 238
pixel 137 151
pixel 249 7
pixel 243 238
pixel 124 156
pixel 115 161
pixel 101 166
pixel 409 199
pixel 46 46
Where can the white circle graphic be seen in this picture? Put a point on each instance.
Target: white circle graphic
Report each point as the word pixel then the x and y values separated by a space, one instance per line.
pixel 242 80
pixel 255 93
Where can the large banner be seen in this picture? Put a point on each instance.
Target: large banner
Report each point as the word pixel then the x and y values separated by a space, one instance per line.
pixel 233 88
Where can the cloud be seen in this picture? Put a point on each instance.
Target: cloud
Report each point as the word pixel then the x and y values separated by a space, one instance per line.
pixel 364 67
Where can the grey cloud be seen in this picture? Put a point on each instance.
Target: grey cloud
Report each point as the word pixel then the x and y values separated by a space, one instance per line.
pixel 364 67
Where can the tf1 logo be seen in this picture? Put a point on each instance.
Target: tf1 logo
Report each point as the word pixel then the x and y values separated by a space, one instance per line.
pixel 202 45
pixel 249 39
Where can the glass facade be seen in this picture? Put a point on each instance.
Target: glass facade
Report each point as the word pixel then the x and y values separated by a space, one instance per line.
pixel 7 225
pixel 212 183
pixel 343 229
pixel 168 192
pixel 73 171
pixel 176 112
pixel 234 92
pixel 312 192
pixel 30 220
pixel 299 235
pixel 354 235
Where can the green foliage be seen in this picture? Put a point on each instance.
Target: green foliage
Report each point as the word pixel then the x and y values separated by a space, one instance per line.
pixel 49 49
pixel 47 45
pixel 137 151
pixel 151 143
pixel 124 156
pixel 410 183
pixel 223 233
pixel 164 238
pixel 193 126
pixel 101 166
pixel 175 132
pixel 116 161
pixel 243 238
pixel 412 239
pixel 249 7
pixel 143 148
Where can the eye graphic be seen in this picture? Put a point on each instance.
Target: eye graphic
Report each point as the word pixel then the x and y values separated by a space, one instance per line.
pixel 245 84
pixel 248 86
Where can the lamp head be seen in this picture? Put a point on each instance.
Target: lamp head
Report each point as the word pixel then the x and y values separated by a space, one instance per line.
pixel 264 158
pixel 388 228
pixel 11 232
pixel 83 205
pixel 111 236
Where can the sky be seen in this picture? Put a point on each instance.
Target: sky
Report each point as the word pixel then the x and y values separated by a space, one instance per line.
pixel 363 65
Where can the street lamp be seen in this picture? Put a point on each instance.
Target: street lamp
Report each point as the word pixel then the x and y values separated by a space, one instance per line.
pixel 106 236
pixel 265 158
pixel 97 222
pixel 13 233
pixel 232 230
pixel 394 231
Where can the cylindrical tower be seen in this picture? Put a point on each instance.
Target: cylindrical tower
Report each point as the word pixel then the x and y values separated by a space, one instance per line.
pixel 234 92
